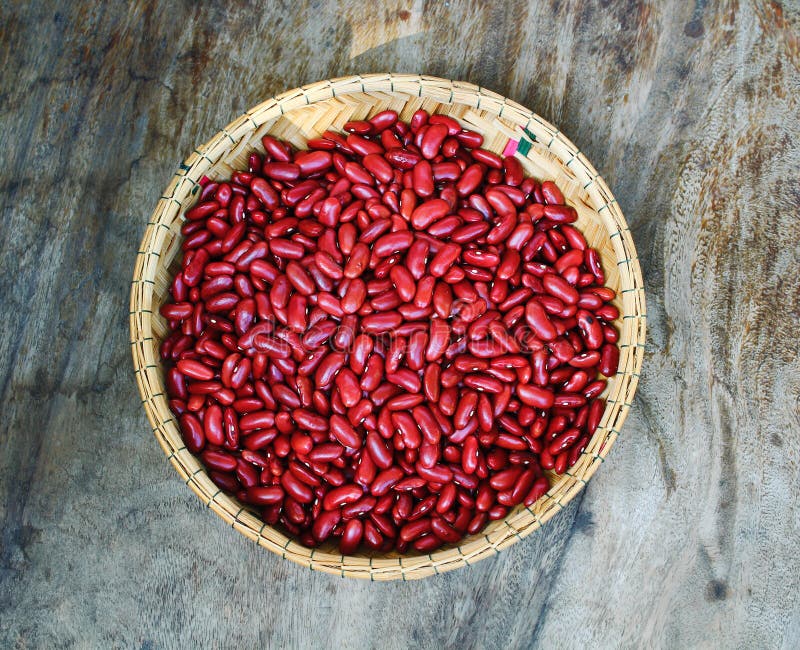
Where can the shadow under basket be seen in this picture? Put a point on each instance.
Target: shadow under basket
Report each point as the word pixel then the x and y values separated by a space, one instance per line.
pixel 305 113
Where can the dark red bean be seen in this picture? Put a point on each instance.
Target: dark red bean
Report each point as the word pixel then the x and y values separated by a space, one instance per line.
pixel 551 193
pixel 265 496
pixel 537 318
pixel 351 537
pixel 342 495
pixel 195 370
pixel 193 434
pixel 535 396
pixel 344 433
pixel 487 158
pixel 385 480
pixel 265 193
pixel 212 425
pixel 295 488
pixel 609 360
pixel 422 180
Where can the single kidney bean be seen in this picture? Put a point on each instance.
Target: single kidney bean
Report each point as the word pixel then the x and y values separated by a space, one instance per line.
pixel 193 434
pixel 609 359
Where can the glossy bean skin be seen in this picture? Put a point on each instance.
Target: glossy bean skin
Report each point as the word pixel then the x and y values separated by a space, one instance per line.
pixel 387 339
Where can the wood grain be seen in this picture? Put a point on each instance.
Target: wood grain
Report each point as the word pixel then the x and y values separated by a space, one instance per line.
pixel 687 537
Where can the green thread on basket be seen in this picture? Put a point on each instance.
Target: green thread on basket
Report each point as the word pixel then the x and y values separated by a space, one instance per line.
pixel 214 496
pixel 193 474
pixel 172 455
pixel 236 517
pixel 512 529
pixel 524 146
pixel 574 477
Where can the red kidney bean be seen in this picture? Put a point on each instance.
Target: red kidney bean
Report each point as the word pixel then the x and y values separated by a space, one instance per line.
pixel 403 158
pixel 265 496
pixel 432 140
pixel 591 329
pixel 466 318
pixel 193 434
pixel 551 193
pixel 537 318
pixel 558 287
pixel 444 259
pixel 487 158
pixel 295 488
pixel 585 360
pixel 560 214
pixel 212 425
pixel 340 496
pixel 384 481
pixel 218 460
pixel 344 433
pixel 607 313
pixel 609 359
pixel 535 396
pixel 539 489
pixel 422 178
pixel 351 537
pixel 195 370
pixel 595 415
pixel 324 524
pixel 470 139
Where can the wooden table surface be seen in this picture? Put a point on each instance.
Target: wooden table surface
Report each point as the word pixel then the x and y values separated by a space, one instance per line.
pixel 687 536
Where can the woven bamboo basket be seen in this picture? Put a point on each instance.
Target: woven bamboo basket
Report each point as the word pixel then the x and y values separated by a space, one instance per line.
pixel 305 113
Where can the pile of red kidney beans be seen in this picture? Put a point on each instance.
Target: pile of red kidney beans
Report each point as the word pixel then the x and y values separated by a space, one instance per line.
pixel 387 338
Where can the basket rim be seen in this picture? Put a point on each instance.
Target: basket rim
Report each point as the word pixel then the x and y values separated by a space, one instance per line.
pixel 522 520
